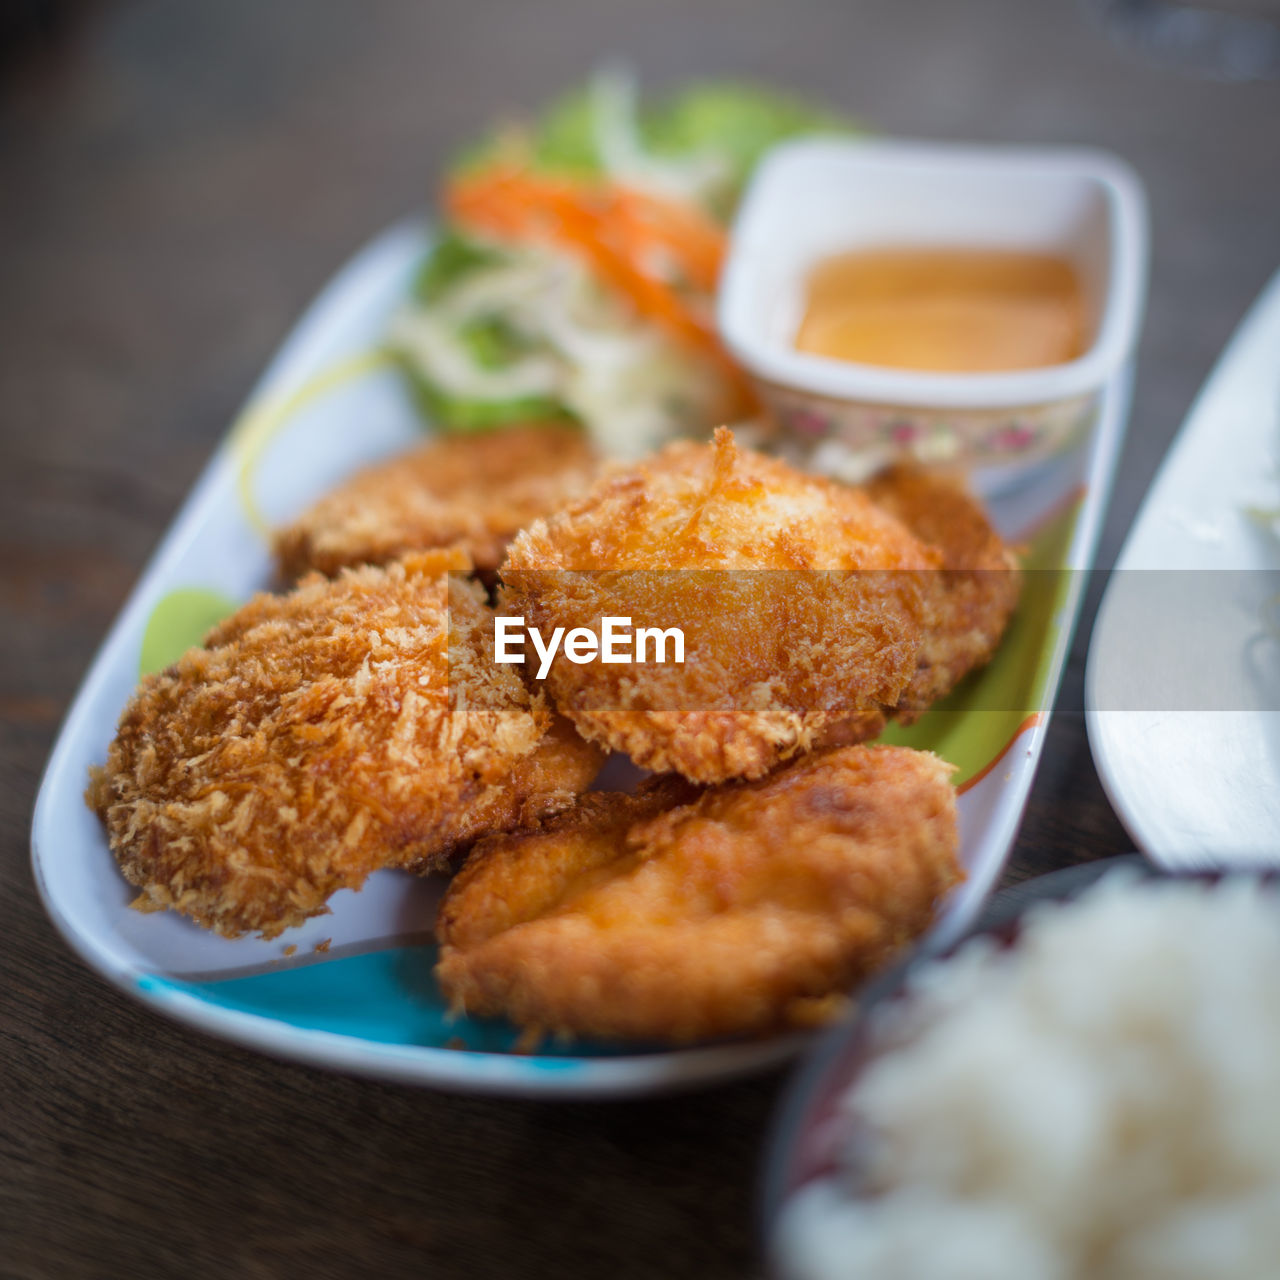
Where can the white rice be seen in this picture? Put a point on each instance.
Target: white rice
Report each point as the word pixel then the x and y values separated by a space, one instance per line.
pixel 1101 1100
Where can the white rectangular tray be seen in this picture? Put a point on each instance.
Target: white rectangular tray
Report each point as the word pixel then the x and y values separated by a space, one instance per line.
pixel 328 403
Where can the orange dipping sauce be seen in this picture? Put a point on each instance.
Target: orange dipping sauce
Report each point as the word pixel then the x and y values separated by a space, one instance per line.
pixel 945 310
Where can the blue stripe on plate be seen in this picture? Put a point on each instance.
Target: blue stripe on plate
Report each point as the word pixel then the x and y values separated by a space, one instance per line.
pixel 388 997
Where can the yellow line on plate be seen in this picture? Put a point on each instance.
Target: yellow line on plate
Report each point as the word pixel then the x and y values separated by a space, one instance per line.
pixel 261 423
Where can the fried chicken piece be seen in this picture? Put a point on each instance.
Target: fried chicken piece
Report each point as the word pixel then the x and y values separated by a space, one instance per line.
pixel 801 603
pixel 353 724
pixel 472 491
pixel 678 915
pixel 974 595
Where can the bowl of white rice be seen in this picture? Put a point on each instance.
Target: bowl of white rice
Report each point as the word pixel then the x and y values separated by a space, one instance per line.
pixel 1086 1086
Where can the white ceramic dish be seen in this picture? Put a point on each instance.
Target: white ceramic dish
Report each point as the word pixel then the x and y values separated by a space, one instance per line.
pixel 812 199
pixel 328 403
pixel 805 1170
pixel 1182 691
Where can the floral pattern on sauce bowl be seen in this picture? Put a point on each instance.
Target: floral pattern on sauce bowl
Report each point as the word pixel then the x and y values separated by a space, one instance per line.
pixel 854 440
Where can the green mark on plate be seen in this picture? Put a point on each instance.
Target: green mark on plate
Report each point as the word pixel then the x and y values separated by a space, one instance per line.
pixel 180 621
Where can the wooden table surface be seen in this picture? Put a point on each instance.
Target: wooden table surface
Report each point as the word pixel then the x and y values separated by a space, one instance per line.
pixel 176 181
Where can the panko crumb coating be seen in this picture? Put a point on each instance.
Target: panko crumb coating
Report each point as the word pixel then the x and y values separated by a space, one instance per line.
pixel 474 492
pixel 974 594
pixel 352 724
pixel 678 915
pixel 780 654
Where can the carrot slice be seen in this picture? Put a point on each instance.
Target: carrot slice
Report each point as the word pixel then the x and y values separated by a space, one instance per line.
pixel 618 232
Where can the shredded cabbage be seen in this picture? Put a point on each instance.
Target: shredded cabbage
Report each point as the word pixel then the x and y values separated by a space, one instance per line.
pixel 575 351
pixel 695 175
pixel 496 332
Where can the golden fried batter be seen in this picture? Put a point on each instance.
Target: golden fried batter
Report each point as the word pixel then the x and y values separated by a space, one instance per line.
pixel 730 913
pixel 752 560
pixel 473 491
pixel 974 595
pixel 352 724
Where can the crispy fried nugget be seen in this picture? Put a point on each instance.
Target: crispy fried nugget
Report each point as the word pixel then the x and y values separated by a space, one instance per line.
pixel 751 560
pixel 729 913
pixel 474 492
pixel 352 724
pixel 974 595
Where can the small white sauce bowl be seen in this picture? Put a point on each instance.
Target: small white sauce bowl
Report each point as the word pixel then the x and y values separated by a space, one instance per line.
pixel 817 198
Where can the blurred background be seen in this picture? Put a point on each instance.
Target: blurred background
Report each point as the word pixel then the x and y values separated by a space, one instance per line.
pixel 177 180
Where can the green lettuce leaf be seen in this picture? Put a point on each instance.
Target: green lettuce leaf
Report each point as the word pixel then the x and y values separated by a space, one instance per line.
pixel 736 121
pixel 453 257
pixel 564 140
pixel 461 415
